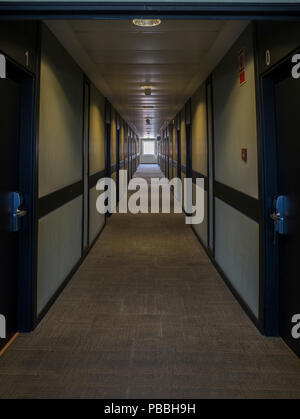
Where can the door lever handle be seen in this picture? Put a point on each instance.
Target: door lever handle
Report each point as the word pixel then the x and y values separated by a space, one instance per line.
pixel 275 216
pixel 10 212
pixel 21 213
pixel 279 216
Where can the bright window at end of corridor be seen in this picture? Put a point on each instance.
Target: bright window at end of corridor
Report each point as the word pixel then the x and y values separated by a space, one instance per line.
pixel 148 147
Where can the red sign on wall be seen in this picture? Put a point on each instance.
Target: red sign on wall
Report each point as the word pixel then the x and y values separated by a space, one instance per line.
pixel 241 58
pixel 244 154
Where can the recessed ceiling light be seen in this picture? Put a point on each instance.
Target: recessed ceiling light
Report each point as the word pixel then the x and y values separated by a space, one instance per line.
pixel 146 23
pixel 147 89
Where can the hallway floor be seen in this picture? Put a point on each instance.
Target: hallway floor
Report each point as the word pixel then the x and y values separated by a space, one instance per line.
pixel 147 316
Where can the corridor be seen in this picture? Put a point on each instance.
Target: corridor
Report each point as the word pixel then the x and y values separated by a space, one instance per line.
pixel 103 296
pixel 147 316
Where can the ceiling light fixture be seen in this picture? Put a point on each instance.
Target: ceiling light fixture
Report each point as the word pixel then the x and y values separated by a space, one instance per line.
pixel 146 23
pixel 147 90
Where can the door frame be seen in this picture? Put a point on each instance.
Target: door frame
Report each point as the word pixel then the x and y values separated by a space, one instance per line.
pixel 188 138
pixel 269 294
pixel 180 10
pixel 210 166
pixel 28 185
pixel 167 167
pixel 86 113
pixel 178 144
pixel 118 128
pixel 171 151
pixel 129 154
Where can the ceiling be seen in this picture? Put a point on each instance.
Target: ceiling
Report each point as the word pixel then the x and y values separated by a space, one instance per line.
pixel 174 57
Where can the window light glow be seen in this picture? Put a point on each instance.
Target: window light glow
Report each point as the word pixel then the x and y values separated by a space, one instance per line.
pixel 148 147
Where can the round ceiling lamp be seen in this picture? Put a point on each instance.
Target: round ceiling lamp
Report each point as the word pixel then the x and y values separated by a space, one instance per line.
pixel 146 23
pixel 148 90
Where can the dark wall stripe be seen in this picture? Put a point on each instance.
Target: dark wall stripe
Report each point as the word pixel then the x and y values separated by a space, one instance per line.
pixel 58 198
pixel 93 179
pixel 196 175
pixel 238 200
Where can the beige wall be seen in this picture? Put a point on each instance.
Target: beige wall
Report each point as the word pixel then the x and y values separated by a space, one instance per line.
pixel 174 143
pixel 97 220
pixel 201 229
pixel 122 141
pixel 235 120
pixel 113 138
pixel 60 165
pixel 97 131
pixel 59 248
pixel 60 119
pixel 97 157
pixel 183 138
pixel 199 131
pixel 199 151
pixel 236 235
pixel 235 127
pixel 237 252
